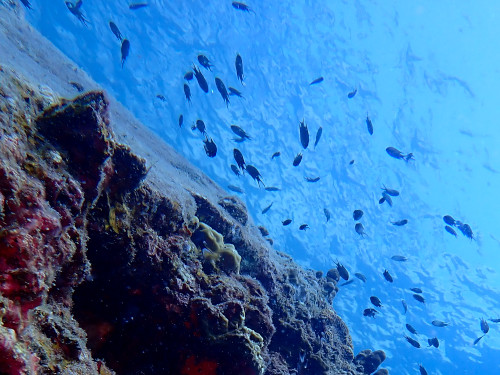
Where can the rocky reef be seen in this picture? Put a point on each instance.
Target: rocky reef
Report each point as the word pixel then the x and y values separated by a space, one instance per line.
pixel 110 264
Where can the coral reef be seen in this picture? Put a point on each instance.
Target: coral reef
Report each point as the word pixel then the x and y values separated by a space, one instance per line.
pixel 107 266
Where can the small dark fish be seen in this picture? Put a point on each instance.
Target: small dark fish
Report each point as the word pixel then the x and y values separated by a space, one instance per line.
pixel 465 229
pixel 238 157
pixel 286 222
pixel 254 173
pixel 202 82
pixel 318 136
pixel 410 328
pixel 352 94
pixel 391 192
pixel 75 10
pixel 317 80
pixel 357 214
pixel 297 159
pixel 419 298
pixel 27 4
pixel 270 240
pixel 439 323
pixel 416 290
pixel 187 92
pixel 275 155
pixel 360 276
pixel 450 230
pixel 222 90
pixel 400 223
pixel 136 6
pixel 395 153
pixel 161 97
pixel 264 211
pixel 387 198
pixel 484 326
pixel 77 86
pixel 376 301
pixel 189 76
pixel 399 258
pixel 347 282
pixel 272 188
pixel 360 229
pixel 125 50
pixel 405 306
pixel 327 214
pixel 210 147
pixel 115 30
pixel 449 220
pixel 241 6
pixel 433 342
pixel 239 67
pixel 239 132
pixel 422 370
pixel 234 92
pixel 496 320
pixel 235 170
pixel 477 340
pixel 181 120
pixel 205 62
pixel 263 231
pixel 304 227
pixel 370 312
pixel 369 125
pixel 342 271
pixel 413 342
pixel 200 125
pixel 388 276
pixel 236 189
pixel 304 134
pixel 312 179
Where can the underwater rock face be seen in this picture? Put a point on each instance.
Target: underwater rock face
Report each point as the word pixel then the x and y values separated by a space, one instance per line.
pixel 101 257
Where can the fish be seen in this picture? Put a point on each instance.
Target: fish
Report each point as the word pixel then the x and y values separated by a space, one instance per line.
pixel 311 179
pixel 419 298
pixel 433 342
pixel 439 323
pixel 238 63
pixel 327 214
pixel 275 155
pixel 27 4
pixel 272 188
pixel 234 92
pixel 264 211
pixel 413 342
pixel 125 50
pixel 405 306
pixel 391 192
pixel 77 86
pixel 254 173
pixel 238 157
pixel 241 6
pixel 270 240
pixel 449 220
pixel 200 125
pixel 410 328
pixel 351 162
pixel 399 258
pixel 477 340
pixel 386 198
pixel 318 136
pixel 388 276
pixel 181 120
pixel 484 326
pixel 161 97
pixel 205 62
pixel 400 223
pixel 342 270
pixel 450 230
pixel 370 312
pixel 316 81
pixel 189 76
pixel 286 222
pixel 187 92
pixel 357 214
pixel 136 6
pixel 423 371
pixel 352 94
pixel 495 320
pixel 465 229
pixel 235 170
pixel 360 229
pixel 395 153
pixel 240 132
pixel 376 301
pixel 210 147
pixel 222 90
pixel 202 82
pixel 304 227
pixel 347 282
pixel 115 30
pixel 297 159
pixel 236 189
pixel 360 276
pixel 304 134
pixel 416 290
pixel 369 125
pixel 75 10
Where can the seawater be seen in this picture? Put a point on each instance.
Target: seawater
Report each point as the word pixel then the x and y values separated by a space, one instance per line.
pixel 427 75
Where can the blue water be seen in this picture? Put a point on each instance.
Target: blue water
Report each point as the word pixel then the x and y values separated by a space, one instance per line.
pixel 426 73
